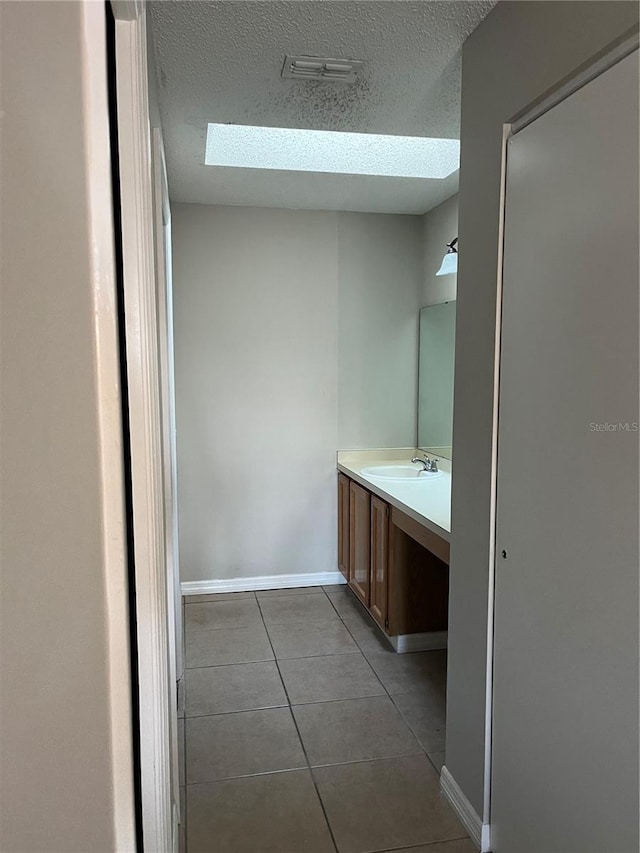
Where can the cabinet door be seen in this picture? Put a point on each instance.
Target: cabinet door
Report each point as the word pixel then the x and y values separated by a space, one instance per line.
pixel 343 524
pixel 379 560
pixel 359 542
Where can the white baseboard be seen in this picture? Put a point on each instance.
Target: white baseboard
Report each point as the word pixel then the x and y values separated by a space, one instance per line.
pixel 261 582
pixel 479 832
pixel 427 642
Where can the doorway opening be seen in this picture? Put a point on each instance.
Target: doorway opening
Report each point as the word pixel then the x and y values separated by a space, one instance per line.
pixel 313 479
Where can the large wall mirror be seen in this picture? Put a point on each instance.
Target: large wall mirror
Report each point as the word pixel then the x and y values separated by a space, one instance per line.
pixel 435 378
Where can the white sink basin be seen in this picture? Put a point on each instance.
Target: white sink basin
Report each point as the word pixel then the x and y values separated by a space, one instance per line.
pixel 404 473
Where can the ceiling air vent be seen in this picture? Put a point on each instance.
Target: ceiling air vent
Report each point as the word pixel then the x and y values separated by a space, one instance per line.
pixel 321 68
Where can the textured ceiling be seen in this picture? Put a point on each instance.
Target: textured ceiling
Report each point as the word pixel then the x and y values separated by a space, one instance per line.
pixel 221 61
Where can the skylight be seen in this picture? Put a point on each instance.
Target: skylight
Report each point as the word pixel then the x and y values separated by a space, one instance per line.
pixel 289 149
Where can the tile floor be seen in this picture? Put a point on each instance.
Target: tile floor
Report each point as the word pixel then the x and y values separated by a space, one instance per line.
pixel 301 731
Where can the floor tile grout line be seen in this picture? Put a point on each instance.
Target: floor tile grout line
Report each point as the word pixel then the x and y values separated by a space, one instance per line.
pixel 254 596
pixel 422 844
pixel 293 705
pixel 301 705
pixel 237 711
pixel 223 665
pixel 287 623
pixel 364 760
pixel 290 595
pixel 317 789
pixel 303 768
pixel 307 766
pixel 321 622
pixel 302 746
pixel 211 630
pixel 273 659
pixel 338 699
pixel 206 599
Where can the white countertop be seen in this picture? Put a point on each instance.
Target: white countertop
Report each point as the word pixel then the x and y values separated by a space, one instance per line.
pixel 426 501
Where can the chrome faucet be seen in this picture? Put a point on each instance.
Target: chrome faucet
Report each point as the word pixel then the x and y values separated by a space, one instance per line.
pixel 428 464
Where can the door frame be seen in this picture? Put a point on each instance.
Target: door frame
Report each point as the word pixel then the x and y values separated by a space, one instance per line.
pixel 162 223
pixel 144 372
pixel 162 234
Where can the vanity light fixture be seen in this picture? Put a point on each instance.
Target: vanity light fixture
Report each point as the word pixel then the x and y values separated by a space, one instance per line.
pixel 450 261
pixel 301 150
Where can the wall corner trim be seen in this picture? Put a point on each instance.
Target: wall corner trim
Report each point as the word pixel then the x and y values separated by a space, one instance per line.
pixel 479 832
pixel 261 582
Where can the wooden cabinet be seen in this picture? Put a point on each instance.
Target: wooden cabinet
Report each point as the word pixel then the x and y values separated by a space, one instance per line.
pixel 366 529
pixel 359 542
pixel 418 599
pixel 343 525
pixel 379 560
pixel 397 567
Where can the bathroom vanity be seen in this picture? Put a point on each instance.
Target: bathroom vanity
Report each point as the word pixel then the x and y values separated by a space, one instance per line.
pixel 393 543
pixel 394 515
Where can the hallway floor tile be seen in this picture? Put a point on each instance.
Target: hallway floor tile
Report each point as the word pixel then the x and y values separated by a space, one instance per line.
pixel 226 746
pixel 353 730
pixel 237 687
pixel 275 813
pixel 384 804
pixel 227 645
pixel 304 732
pixel 323 679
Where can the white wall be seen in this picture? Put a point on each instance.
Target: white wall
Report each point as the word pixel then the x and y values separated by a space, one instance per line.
pixel 271 306
pixel 66 776
pixel 519 52
pixel 440 226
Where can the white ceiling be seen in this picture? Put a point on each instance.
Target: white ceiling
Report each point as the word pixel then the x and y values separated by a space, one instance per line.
pixel 220 61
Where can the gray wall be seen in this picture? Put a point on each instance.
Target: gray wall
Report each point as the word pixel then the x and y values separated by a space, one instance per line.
pixel 379 267
pixel 567 597
pixel 521 50
pixel 64 784
pixel 440 226
pixel 295 335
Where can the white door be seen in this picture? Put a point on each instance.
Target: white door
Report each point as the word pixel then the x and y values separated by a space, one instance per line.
pixel 565 710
